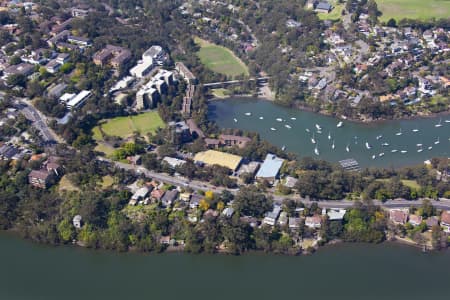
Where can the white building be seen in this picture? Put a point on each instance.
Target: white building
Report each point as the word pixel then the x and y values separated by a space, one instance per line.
pixel 78 100
pixel 142 68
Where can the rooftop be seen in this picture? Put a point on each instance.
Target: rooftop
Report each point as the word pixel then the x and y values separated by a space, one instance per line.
pixel 212 157
pixel 270 167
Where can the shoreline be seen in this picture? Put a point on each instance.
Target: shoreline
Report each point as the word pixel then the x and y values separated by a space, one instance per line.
pixel 12 233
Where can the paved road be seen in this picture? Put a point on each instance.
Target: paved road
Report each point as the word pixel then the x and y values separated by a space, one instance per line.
pixel 39 121
pixel 198 185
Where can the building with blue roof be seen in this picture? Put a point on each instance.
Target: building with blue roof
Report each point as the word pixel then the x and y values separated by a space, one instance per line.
pixel 270 168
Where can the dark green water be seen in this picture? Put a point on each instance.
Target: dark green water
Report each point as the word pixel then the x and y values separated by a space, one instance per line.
pixel 361 272
pixel 298 141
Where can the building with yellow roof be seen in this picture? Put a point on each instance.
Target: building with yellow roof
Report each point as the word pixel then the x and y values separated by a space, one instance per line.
pixel 212 157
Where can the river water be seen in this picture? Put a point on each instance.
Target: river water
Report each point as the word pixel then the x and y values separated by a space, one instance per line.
pixel 351 271
pixel 297 140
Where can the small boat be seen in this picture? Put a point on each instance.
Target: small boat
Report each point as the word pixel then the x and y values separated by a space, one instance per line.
pixel 430 147
pixel 279 119
pixel 287 126
pixel 419 150
pixel 332 145
pixel 394 150
pixel 415 130
pixel 347 148
pixel 283 148
pixel 437 141
pixel 261 118
pixel 235 120
pixel 248 114
pixel 307 130
pixel 273 129
pixel 319 131
pixel 339 125
pixel 374 156
pixel 381 154
pixel 419 145
pixel 316 150
pixel 318 127
pixel 368 146
pixel 379 136
pixel 313 140
pixel 399 133
pixel 293 118
pixel 439 124
pixel 447 121
pixel 329 136
pixel 403 151
pixel 385 144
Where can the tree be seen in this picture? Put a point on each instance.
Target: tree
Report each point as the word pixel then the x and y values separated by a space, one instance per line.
pixel 391 23
pixel 250 202
pixel 66 230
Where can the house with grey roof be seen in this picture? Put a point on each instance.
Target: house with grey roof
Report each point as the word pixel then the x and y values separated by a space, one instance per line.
pixel 270 168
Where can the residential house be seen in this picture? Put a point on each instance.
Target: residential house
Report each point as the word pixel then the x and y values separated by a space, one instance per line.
pixel 139 195
pixel 78 40
pixel 157 194
pixel 432 221
pixel 20 69
pixel 336 214
pixel 53 66
pixel 415 220
pixel 323 7
pixel 195 200
pixel 228 212
pixel 290 182
pixel 398 216
pixel 39 178
pixel 294 223
pixel 314 221
pixel 169 198
pixel 174 162
pixel 445 220
pixel 283 218
pixel 272 216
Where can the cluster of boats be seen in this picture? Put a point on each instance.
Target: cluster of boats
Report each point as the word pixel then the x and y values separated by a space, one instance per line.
pixel 318 129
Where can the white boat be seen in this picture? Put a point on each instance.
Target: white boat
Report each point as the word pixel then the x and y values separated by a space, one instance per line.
pixel 273 129
pixel 437 141
pixel 430 147
pixel 379 136
pixel 394 150
pixel 399 133
pixel 403 151
pixel 248 114
pixel 307 130
pixel 261 118
pixel 368 146
pixel 283 148
pixel 419 150
pixel 374 156
pixel 339 125
pixel 287 126
pixel 279 119
pixel 419 145
pixel 381 154
pixel 439 124
pixel 293 118
pixel 316 150
pixel 319 132
pixel 332 145
pixel 385 144
pixel 447 121
pixel 318 127
pixel 329 136
pixel 347 148
pixel 313 140
pixel 235 120
pixel 415 130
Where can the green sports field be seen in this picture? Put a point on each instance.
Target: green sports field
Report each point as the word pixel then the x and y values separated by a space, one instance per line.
pixel 413 9
pixel 220 59
pixel 125 126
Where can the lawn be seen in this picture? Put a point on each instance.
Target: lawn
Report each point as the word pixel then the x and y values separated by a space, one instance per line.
pixel 335 14
pixel 409 183
pixel 413 9
pixel 220 93
pixel 220 59
pixel 125 126
pixel 107 181
pixel 66 185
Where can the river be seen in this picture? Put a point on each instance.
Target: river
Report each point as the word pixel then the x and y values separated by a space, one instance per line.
pixel 297 140
pixel 347 271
